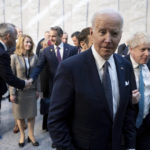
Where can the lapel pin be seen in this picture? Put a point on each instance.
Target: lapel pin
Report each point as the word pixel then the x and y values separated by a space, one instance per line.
pixel 51 50
pixel 121 68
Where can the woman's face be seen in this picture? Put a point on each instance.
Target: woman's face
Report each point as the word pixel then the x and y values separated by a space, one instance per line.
pixel 27 44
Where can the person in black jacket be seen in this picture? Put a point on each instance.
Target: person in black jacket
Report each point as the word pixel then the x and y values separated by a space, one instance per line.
pixel 8 35
pixel 123 50
pixel 139 47
pixel 88 111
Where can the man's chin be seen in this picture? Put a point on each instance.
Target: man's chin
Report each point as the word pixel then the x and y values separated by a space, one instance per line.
pixel 106 57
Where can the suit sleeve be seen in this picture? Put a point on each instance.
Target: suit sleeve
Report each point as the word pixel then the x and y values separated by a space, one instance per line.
pixel 60 108
pixel 37 83
pixel 7 74
pixel 40 64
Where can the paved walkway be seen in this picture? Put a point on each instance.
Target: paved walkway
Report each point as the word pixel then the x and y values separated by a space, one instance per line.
pixel 9 140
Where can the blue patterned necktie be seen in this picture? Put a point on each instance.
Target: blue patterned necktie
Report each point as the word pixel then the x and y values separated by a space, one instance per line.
pixel 58 54
pixel 139 119
pixel 106 81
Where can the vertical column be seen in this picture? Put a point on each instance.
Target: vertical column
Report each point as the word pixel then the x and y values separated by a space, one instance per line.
pixel 21 22
pixel 38 20
pixel 87 13
pixel 4 10
pixel 63 13
pixel 146 15
pixel 118 5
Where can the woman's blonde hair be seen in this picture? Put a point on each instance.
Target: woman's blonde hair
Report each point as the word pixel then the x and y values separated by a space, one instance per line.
pixel 20 45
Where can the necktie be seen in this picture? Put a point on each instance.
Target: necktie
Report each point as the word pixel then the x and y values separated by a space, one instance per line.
pixel 139 119
pixel 58 54
pixel 106 81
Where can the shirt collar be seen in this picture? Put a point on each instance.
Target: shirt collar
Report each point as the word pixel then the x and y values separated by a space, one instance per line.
pixel 100 61
pixel 60 45
pixel 3 45
pixel 134 64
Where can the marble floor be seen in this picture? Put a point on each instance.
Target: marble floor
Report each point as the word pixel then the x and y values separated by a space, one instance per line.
pixel 9 140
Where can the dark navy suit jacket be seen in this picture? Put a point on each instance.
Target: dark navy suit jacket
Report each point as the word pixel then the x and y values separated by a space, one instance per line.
pixel 123 49
pixel 6 74
pixel 79 114
pixel 48 57
pixel 143 133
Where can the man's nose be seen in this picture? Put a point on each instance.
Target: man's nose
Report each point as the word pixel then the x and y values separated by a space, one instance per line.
pixel 147 52
pixel 108 38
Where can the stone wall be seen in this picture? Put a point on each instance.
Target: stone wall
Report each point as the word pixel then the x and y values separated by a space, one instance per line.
pixel 37 16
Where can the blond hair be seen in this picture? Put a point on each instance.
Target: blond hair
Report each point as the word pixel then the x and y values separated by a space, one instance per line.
pixel 137 39
pixel 20 45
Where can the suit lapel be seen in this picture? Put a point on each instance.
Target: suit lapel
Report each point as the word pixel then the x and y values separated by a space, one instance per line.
pixel 121 83
pixel 95 80
pixel 53 54
pixel 66 51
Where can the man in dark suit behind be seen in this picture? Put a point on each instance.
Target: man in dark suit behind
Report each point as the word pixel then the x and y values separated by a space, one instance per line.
pixel 139 46
pixel 8 36
pixel 81 115
pixel 123 50
pixel 52 55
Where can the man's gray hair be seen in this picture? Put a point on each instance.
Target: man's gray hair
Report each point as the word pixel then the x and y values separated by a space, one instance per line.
pixel 6 28
pixel 107 11
pixel 138 38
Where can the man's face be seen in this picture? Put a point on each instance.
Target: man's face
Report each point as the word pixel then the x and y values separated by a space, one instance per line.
pixel 65 38
pixel 106 34
pixel 19 32
pixel 75 41
pixel 141 53
pixel 47 36
pixel 54 38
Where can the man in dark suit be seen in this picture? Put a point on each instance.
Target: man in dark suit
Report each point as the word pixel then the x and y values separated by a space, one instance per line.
pixel 53 55
pixel 139 46
pixel 8 36
pixel 123 50
pixel 87 112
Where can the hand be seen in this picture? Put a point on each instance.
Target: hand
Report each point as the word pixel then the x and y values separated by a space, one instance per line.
pixel 28 83
pixel 37 94
pixel 41 94
pixel 135 96
pixel 12 98
pixel 31 80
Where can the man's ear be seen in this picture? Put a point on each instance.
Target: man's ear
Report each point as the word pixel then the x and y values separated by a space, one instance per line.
pixel 91 31
pixel 7 36
pixel 81 43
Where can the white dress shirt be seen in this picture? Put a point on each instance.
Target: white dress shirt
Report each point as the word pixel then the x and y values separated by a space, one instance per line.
pixel 146 79
pixel 61 50
pixel 113 76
